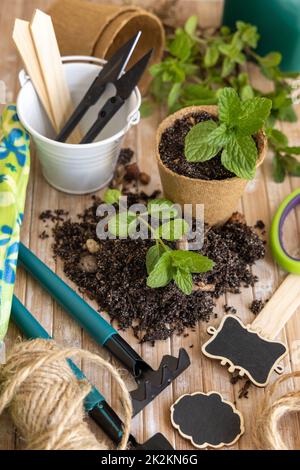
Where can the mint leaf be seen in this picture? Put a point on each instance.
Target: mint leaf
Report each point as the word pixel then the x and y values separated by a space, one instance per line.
pixel 162 209
pixel 172 230
pixel 112 196
pixel 227 67
pixel 174 94
pixel 153 255
pixel 191 25
pixel 287 113
pixel 272 59
pixel 246 92
pixel 278 169
pixel 229 106
pixel 183 279
pixel 277 138
pixel 219 136
pixel 197 147
pixel 291 150
pixel 240 155
pixel 162 273
pixel 211 56
pixel 122 224
pixel 292 165
pixel 253 115
pixel 146 108
pixel 181 46
pixel 191 261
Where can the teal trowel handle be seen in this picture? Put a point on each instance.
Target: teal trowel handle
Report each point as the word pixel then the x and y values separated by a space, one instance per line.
pixel 85 315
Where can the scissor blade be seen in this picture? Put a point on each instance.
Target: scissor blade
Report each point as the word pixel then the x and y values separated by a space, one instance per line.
pixel 130 79
pixel 116 65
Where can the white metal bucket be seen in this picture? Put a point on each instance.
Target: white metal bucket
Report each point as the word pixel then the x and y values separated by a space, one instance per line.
pixel 77 169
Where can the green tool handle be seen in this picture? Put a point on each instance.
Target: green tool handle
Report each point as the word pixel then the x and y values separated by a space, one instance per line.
pixel 94 403
pixel 85 315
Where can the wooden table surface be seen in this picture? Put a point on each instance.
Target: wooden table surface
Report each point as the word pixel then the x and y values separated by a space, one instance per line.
pixel 259 202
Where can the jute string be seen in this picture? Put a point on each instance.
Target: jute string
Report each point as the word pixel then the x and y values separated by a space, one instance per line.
pixel 267 434
pixel 45 399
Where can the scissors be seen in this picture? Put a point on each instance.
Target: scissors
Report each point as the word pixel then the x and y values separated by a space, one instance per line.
pixel 289 263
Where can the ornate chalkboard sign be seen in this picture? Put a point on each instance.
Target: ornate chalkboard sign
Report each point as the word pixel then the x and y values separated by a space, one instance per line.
pixel 207 420
pixel 235 344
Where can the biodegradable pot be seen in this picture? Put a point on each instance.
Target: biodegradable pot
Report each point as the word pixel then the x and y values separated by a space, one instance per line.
pixel 92 29
pixel 219 197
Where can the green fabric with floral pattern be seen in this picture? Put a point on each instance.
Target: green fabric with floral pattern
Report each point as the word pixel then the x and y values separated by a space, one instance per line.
pixel 14 173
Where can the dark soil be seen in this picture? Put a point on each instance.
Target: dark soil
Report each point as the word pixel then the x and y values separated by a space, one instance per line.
pixel 171 150
pixel 256 306
pixel 113 273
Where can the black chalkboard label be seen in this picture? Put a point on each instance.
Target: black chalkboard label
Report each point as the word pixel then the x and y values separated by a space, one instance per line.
pixel 207 420
pixel 235 344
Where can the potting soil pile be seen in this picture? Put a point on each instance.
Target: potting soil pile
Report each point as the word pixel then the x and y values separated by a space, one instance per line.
pixel 113 272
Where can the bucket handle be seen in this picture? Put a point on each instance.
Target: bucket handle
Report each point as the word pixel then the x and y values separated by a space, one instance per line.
pixel 133 118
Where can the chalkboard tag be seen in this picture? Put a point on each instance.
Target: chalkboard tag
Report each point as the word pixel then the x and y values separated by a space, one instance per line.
pixel 246 350
pixel 207 420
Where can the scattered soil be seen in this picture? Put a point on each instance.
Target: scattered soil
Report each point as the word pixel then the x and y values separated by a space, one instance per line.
pixel 171 150
pixel 256 306
pixel 113 273
pixel 229 309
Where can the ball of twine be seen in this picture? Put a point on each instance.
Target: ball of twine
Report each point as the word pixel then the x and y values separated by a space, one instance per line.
pixel 267 434
pixel 45 399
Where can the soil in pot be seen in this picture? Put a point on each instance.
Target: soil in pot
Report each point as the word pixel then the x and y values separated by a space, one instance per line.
pixel 113 272
pixel 171 151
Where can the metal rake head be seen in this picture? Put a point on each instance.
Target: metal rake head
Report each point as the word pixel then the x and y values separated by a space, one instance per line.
pixel 152 382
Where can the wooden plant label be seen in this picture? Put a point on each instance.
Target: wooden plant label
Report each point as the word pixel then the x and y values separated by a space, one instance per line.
pixel 252 349
pixel 207 420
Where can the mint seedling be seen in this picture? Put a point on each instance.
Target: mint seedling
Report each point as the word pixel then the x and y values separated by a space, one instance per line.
pixel 233 134
pixel 162 262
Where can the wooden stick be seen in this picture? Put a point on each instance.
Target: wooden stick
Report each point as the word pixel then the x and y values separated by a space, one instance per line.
pixel 23 40
pixel 279 309
pixel 51 66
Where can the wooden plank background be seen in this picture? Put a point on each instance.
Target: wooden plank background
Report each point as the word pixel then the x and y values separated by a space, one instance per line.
pixel 259 202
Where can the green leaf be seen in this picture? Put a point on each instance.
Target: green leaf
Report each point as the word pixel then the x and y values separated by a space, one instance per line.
pixel 146 108
pixel 153 255
pixel 246 92
pixel 278 169
pixel 287 114
pixel 211 56
pixel 162 209
pixel 172 230
pixel 240 155
pixel 191 261
pixel 253 115
pixel 291 150
pixel 272 59
pixel 219 136
pixel 225 30
pixel 181 46
pixel 183 279
pixel 227 67
pixel 292 165
pixel 174 94
pixel 122 224
pixel 191 25
pixel 162 273
pixel 112 196
pixel 197 147
pixel 277 138
pixel 248 33
pixel 229 106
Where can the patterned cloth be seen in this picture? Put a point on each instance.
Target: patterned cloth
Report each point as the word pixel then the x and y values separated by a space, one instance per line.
pixel 14 173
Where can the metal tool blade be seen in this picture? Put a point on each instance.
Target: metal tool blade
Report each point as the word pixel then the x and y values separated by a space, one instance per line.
pixel 126 84
pixel 153 382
